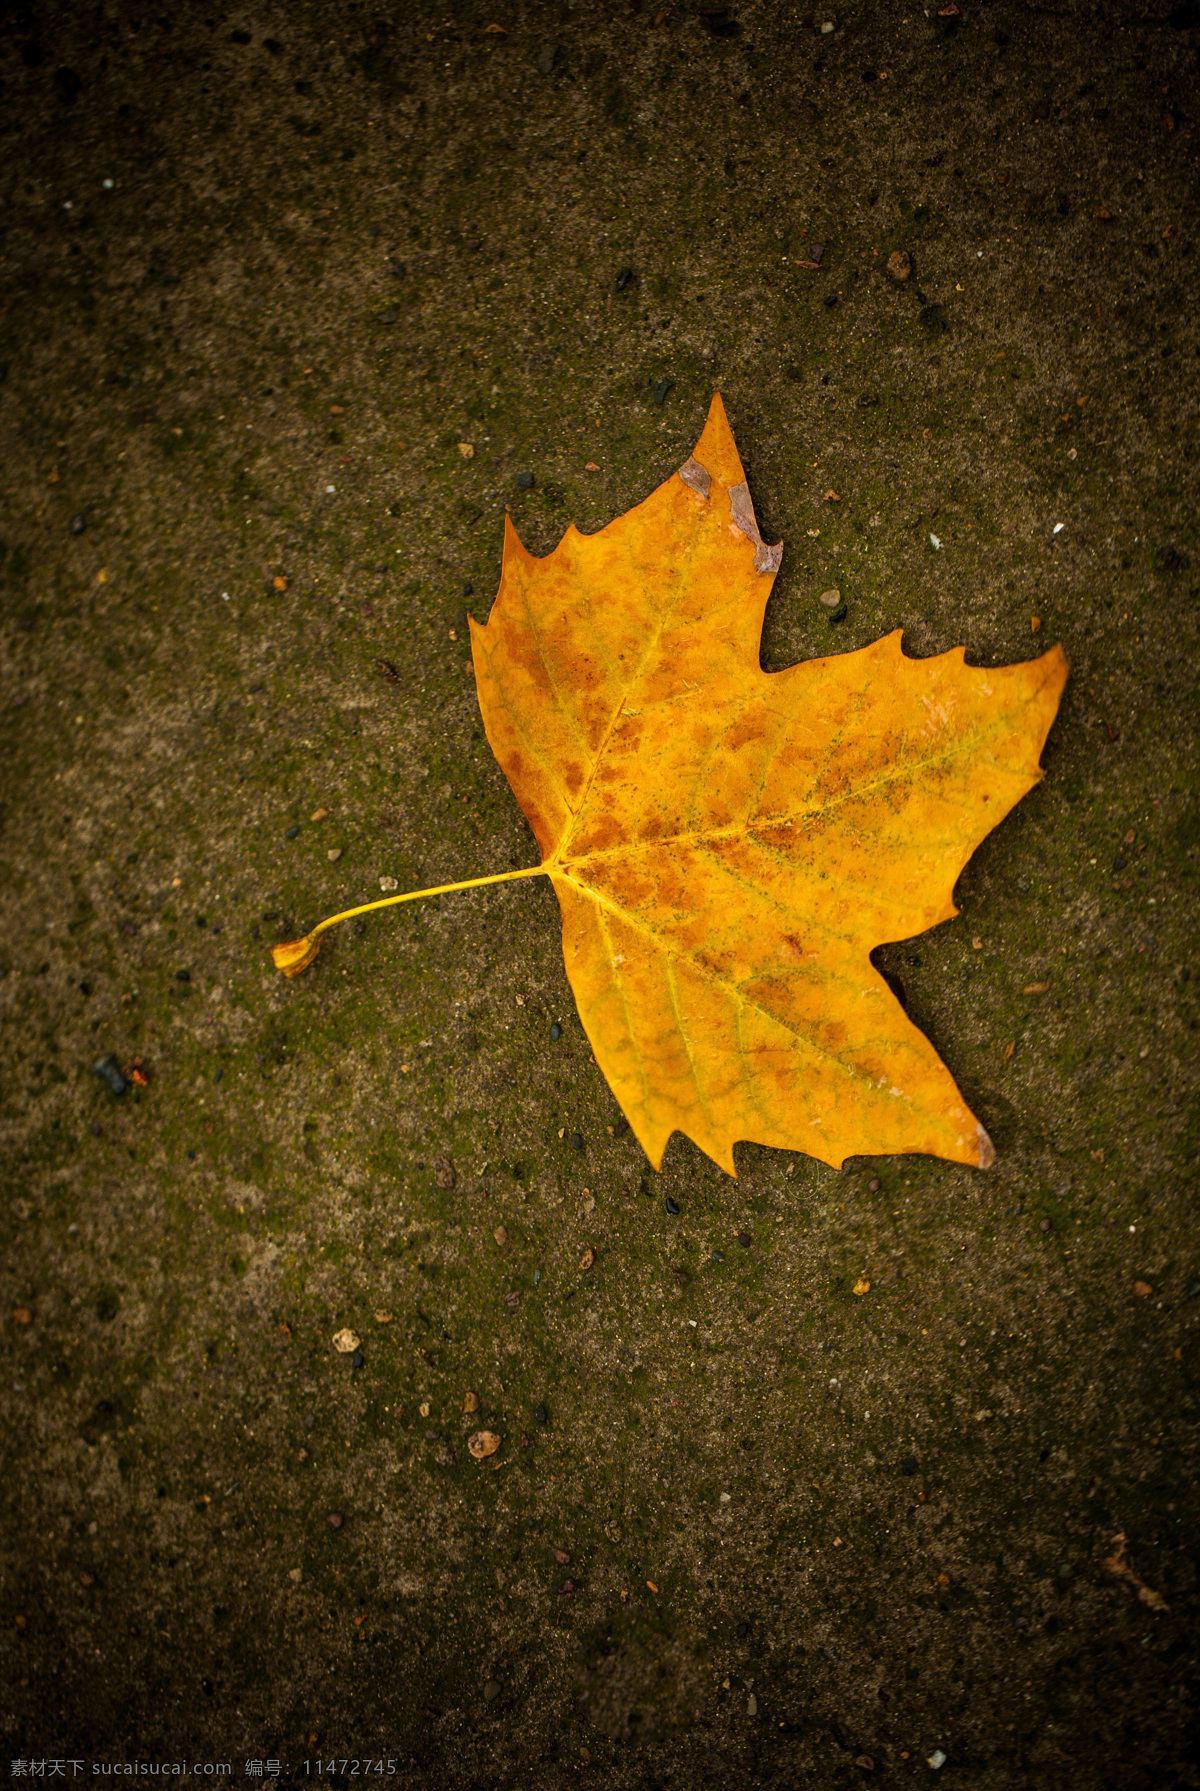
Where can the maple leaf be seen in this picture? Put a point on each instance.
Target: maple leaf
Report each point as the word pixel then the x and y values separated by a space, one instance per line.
pixel 727 845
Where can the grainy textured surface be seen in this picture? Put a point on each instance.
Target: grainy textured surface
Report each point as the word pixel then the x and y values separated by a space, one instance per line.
pixel 360 274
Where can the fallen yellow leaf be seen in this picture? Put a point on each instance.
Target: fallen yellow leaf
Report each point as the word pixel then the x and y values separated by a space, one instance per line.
pixel 652 1586
pixel 862 1285
pixel 726 857
pixel 728 846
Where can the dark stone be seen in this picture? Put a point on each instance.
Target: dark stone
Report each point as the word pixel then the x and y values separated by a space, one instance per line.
pixel 358 1360
pixel 576 1140
pixel 718 22
pixel 672 1206
pixel 661 390
pixel 743 1630
pixel 78 525
pixel 745 1239
pixel 1044 1225
pixel 556 1032
pixel 183 976
pixel 908 1464
pixel 239 37
pixel 391 315
pixel 109 1072
pixel 830 300
pixel 540 1415
pixel 335 1520
pixel 206 1686
pixel 839 614
pixel 443 1172
pixel 867 399
pixel 625 278
pixel 191 1156
pixel 870 74
pixel 718 1256
pixel 67 85
pixel 1119 862
pixel 525 481
pixel 293 832
pixel 546 58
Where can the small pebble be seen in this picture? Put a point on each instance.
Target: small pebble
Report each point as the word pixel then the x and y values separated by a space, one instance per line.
pixel 525 481
pixel 109 1072
pixel 492 1690
pixel 556 1032
pixel 661 390
pixel 77 525
pixel 830 300
pixel 293 832
pixel 358 1360
pixel 908 1464
pixel 743 1630
pixel 333 854
pixel 577 1140
pixel 1045 1225
pixel 566 1589
pixel 540 1415
pixel 831 598
pixel 873 1184
pixel 745 1239
pixel 839 614
pixel 335 1520
pixel 183 976
pixel 672 1206
pixel 899 264
pixel 624 278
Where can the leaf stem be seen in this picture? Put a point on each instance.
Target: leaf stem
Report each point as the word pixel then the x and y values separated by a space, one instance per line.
pixel 414 895
pixel 299 953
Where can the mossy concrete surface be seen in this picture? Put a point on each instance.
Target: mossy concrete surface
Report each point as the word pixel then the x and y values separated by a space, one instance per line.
pixel 292 297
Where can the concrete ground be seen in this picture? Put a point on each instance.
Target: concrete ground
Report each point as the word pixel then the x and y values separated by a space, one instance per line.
pixel 263 270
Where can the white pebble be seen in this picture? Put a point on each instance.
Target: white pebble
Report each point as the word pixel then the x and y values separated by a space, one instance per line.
pixel 108 186
pixel 331 488
pixel 936 543
pixel 937 1758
